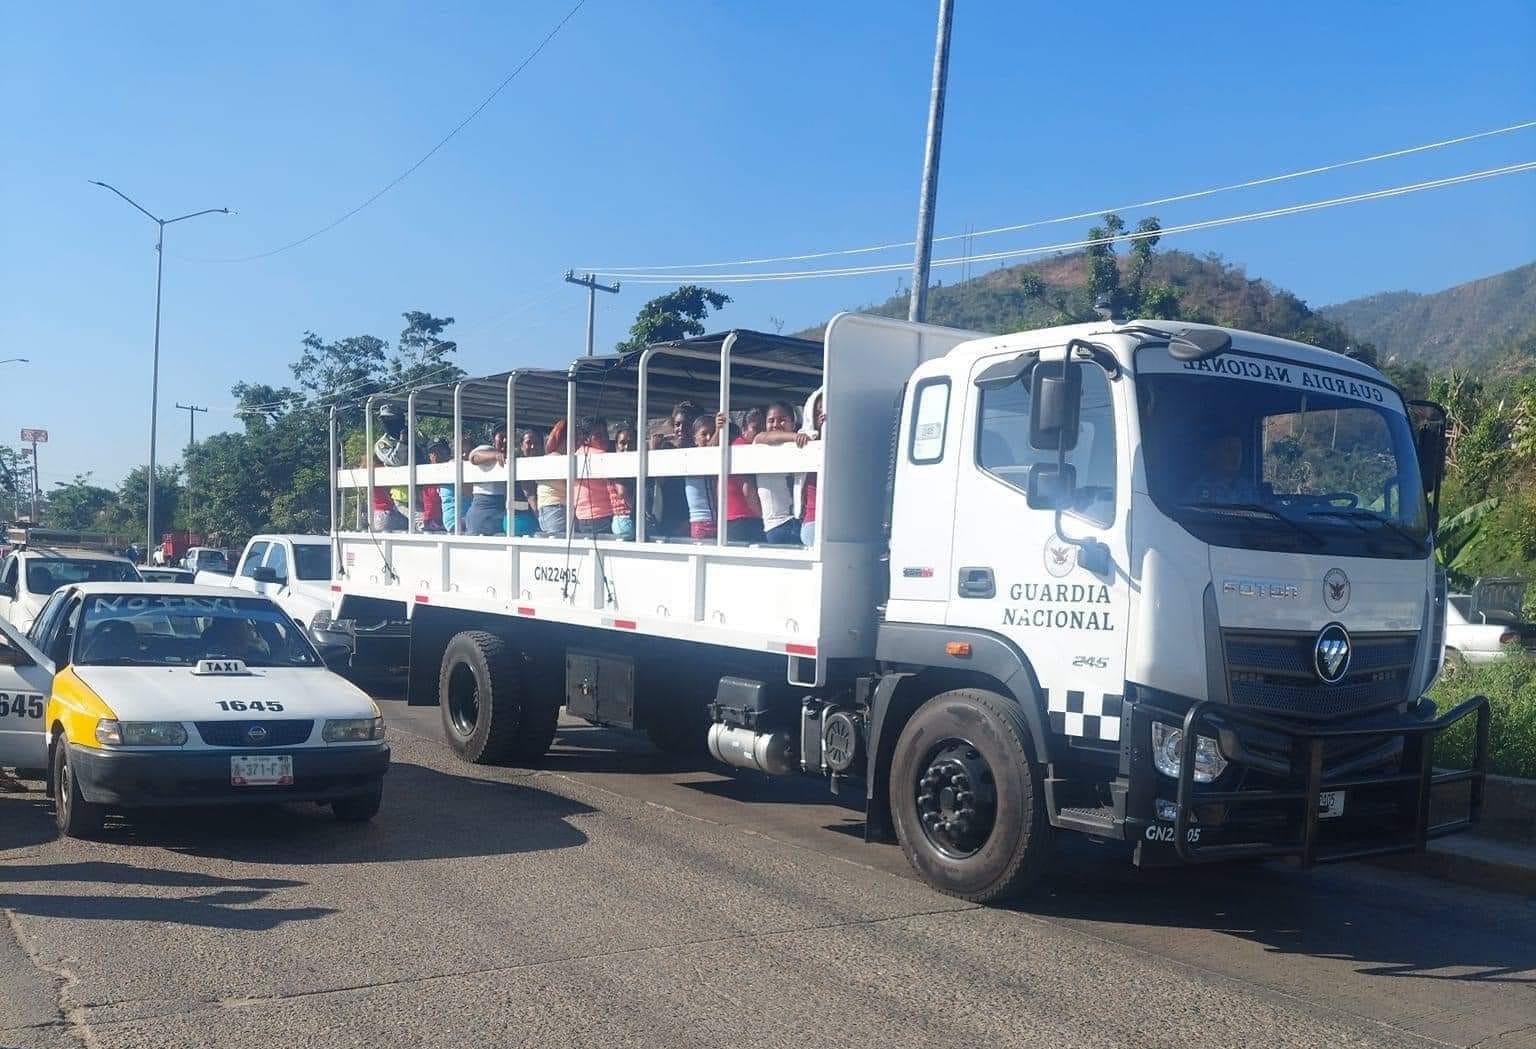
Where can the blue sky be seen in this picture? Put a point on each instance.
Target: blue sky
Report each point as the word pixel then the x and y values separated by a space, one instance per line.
pixel 658 132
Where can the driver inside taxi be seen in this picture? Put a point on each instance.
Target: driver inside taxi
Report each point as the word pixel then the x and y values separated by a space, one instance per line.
pixel 234 638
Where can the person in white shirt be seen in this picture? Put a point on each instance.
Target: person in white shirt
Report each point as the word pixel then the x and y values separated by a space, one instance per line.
pixel 488 499
pixel 776 491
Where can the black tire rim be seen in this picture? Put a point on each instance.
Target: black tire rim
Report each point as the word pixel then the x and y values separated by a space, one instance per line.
pixel 956 797
pixel 463 700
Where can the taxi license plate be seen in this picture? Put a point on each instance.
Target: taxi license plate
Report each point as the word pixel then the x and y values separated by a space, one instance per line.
pixel 261 770
pixel 1330 804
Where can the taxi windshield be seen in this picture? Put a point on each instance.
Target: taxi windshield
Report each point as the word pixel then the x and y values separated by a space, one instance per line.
pixel 163 630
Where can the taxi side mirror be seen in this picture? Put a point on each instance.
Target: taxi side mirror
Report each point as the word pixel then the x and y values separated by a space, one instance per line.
pixel 11 656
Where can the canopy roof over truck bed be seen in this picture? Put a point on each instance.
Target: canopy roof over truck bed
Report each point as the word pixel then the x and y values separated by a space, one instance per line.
pixel 763 367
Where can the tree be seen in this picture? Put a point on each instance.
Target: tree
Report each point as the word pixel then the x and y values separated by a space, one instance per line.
pixel 78 505
pixel 128 511
pixel 675 315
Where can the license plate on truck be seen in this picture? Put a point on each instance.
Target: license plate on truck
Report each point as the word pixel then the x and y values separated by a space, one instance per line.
pixel 1330 804
pixel 261 770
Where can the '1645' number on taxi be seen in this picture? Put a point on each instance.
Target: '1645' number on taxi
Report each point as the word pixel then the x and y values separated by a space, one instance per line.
pixel 270 706
pixel 20 706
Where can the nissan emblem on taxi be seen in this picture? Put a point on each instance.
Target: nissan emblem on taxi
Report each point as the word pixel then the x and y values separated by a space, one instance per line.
pixel 1330 656
pixel 256 735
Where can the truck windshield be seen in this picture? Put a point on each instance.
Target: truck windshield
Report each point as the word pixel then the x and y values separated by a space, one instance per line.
pixel 47 574
pixel 1276 464
pixel 124 630
pixel 312 560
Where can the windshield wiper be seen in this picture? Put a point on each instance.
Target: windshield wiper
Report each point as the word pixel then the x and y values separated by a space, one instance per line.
pixel 1258 508
pixel 1357 516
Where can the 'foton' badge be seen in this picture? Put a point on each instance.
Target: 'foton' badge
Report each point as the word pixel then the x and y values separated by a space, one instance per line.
pixel 1336 590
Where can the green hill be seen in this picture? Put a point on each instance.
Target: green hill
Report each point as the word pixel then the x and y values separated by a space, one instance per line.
pixel 1051 291
pixel 1472 325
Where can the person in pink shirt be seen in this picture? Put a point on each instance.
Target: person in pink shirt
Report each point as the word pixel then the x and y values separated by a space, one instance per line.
pixel 594 506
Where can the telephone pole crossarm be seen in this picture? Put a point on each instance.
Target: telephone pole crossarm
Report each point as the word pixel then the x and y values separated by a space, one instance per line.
pixel 590 282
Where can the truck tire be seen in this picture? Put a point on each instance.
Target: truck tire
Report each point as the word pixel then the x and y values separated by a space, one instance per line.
pixel 75 817
pixel 488 715
pixel 967 799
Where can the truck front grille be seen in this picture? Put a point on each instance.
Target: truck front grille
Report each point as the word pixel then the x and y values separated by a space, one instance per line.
pixel 1274 672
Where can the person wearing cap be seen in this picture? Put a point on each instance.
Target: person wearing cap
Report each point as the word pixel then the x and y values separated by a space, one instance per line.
pixel 391 449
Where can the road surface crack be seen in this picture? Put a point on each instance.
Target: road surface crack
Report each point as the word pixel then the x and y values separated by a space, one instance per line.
pixel 64 980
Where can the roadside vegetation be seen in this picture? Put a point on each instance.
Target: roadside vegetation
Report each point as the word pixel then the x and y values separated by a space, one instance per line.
pixel 1510 685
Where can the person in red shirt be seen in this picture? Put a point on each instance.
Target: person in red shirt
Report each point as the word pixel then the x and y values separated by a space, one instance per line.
pixel 743 512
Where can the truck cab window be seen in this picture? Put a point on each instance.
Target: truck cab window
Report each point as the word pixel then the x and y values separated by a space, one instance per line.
pixel 1003 449
pixel 929 419
pixel 277 560
pixel 253 559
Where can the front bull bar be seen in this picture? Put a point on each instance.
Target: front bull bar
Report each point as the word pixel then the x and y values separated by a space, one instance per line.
pixel 1307 752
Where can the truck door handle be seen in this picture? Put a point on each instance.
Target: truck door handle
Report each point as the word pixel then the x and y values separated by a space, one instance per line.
pixel 977 582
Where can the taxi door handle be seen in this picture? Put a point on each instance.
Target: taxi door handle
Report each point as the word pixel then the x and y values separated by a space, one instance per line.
pixel 977 582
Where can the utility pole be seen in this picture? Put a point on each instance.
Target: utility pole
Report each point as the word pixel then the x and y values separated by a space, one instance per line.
pixel 154 379
pixel 34 484
pixel 917 301
pixel 589 281
pixel 191 410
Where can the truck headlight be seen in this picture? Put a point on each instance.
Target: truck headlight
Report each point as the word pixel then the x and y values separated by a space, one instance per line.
pixel 140 733
pixel 353 730
pixel 321 620
pixel 1168 751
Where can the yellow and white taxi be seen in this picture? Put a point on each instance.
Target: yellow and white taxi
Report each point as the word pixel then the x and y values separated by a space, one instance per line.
pixel 159 694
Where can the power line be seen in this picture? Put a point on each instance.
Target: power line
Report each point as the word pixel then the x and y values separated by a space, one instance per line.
pixel 408 172
pixel 956 260
pixel 622 271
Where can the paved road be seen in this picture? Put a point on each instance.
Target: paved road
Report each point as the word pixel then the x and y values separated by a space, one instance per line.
pixel 612 900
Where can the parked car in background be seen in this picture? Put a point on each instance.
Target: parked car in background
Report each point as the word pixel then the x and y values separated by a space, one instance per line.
pixel 36 567
pixel 206 559
pixel 1486 624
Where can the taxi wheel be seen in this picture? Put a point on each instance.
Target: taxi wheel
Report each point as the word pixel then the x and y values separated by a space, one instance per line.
pixel 359 809
pixel 76 817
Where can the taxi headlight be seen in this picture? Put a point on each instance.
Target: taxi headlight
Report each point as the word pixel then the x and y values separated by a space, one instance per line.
pixel 353 730
pixel 321 620
pixel 140 733
pixel 1168 751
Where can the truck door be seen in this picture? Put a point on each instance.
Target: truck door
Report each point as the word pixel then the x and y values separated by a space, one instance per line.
pixel 24 688
pixel 1014 575
pixel 245 577
pixel 277 561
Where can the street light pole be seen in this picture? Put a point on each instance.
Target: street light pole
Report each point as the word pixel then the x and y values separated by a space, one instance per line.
pixel 154 383
pixel 917 300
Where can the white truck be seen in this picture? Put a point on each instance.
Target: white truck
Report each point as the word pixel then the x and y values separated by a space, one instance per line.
pixel 42 560
pixel 292 570
pixel 1159 583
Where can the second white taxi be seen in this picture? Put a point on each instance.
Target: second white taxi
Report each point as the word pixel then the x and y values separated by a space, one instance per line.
pixel 140 694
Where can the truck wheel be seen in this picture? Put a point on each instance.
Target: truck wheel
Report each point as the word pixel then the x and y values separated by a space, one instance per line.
pixel 487 716
pixel 76 817
pixel 966 797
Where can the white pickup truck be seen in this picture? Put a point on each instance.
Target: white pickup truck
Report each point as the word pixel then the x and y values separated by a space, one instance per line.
pixel 292 570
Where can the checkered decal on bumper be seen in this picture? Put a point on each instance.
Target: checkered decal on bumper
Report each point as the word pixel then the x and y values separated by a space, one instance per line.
pixel 1094 716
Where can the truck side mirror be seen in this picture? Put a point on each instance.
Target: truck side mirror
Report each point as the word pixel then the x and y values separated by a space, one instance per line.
pixel 263 574
pixel 1428 419
pixel 1055 395
pixel 1052 486
pixel 7 589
